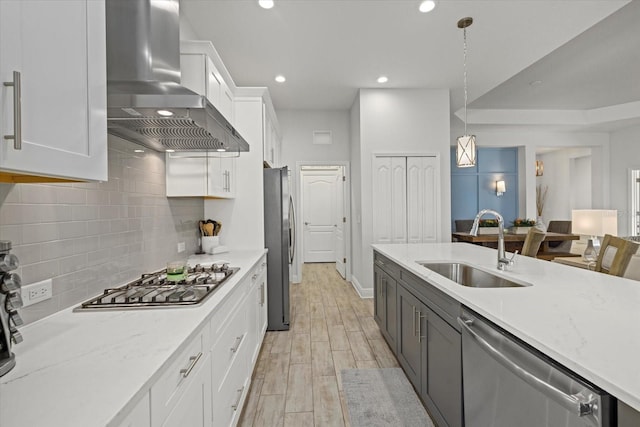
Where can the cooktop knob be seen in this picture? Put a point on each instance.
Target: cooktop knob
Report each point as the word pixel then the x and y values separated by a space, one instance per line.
pixel 8 262
pixel 10 282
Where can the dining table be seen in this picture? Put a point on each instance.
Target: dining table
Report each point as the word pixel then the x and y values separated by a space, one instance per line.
pixel 513 242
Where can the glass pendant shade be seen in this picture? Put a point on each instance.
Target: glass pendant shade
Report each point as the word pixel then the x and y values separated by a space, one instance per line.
pixel 466 151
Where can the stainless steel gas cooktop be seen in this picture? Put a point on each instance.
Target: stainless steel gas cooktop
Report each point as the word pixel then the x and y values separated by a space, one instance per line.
pixel 156 290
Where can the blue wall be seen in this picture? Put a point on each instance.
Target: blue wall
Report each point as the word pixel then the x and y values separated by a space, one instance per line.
pixel 473 189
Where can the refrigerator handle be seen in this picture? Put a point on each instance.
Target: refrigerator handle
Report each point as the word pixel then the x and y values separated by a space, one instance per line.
pixel 292 231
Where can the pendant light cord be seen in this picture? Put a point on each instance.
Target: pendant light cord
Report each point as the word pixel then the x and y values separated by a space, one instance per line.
pixel 464 31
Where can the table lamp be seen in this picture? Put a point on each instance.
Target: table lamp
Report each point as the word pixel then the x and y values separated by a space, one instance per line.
pixel 594 223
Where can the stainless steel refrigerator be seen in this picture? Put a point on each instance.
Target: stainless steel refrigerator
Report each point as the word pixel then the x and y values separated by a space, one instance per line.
pixel 279 237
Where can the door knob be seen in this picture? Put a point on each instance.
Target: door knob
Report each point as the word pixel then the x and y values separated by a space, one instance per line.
pixel 306 223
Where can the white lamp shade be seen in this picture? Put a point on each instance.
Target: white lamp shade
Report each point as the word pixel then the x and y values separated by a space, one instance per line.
pixel 501 187
pixel 466 151
pixel 594 222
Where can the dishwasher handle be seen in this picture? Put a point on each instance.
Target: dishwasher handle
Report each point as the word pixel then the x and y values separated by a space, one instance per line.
pixel 576 403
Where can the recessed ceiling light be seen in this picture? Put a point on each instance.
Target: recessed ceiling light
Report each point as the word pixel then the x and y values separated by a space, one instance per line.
pixel 165 113
pixel 169 150
pixel 265 4
pixel 535 83
pixel 427 6
pixel 281 79
pixel 383 79
pixel 138 151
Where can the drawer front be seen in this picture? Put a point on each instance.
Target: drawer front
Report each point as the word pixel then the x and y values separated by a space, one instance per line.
pixel 228 308
pixel 227 345
pixel 387 265
pixel 445 306
pixel 166 392
pixel 229 395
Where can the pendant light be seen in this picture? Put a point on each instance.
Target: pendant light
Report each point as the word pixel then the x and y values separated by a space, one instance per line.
pixel 466 146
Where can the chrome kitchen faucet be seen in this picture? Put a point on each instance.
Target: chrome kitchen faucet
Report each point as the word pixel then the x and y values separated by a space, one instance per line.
pixel 503 261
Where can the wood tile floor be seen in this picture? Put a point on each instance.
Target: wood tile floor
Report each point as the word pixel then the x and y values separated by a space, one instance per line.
pixel 296 381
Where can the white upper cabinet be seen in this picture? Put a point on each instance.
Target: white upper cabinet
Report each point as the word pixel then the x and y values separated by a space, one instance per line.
pixel 271 137
pixel 59 50
pixel 200 174
pixel 200 74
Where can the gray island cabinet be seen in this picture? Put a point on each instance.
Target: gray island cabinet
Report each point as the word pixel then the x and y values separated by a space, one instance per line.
pixel 419 324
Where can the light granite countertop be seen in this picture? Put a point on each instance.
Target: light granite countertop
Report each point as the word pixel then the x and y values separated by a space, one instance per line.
pixel 90 368
pixel 586 321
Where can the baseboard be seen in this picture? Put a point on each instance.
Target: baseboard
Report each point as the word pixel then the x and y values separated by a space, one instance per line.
pixel 363 292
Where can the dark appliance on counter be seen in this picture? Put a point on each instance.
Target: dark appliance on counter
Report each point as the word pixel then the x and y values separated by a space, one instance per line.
pixel 279 238
pixel 10 302
pixel 156 290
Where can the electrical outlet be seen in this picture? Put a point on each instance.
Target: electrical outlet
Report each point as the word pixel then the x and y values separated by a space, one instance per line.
pixel 181 247
pixel 36 292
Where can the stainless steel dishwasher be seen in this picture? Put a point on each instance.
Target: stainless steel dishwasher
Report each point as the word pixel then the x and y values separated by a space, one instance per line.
pixel 507 384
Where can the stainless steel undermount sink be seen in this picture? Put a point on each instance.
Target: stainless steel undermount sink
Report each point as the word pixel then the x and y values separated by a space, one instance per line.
pixel 466 275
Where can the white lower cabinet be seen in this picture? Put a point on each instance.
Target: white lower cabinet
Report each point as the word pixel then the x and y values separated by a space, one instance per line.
pixel 193 408
pixel 140 416
pixel 208 382
pixel 184 386
pixel 258 315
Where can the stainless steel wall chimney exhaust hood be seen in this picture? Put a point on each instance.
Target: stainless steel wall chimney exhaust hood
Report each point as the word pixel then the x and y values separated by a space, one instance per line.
pixel 145 102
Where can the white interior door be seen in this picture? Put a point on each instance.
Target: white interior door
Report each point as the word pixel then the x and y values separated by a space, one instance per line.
pixel 340 222
pixel 319 218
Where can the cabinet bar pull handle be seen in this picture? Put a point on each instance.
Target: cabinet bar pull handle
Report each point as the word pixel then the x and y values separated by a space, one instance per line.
pixel 414 320
pixel 193 361
pixel 420 317
pixel 262 294
pixel 237 343
pixel 237 402
pixel 17 111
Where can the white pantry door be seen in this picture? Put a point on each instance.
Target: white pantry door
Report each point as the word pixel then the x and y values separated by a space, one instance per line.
pixel 390 199
pixel 423 205
pixel 319 218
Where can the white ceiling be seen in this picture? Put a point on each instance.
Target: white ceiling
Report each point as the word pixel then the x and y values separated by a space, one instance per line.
pixel 328 49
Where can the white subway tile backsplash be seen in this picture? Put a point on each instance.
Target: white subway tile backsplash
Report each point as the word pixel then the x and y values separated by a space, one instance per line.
pixel 73 229
pixel 11 232
pixel 89 236
pixel 73 263
pixel 32 273
pixel 71 196
pixel 9 193
pixel 35 233
pixel 39 194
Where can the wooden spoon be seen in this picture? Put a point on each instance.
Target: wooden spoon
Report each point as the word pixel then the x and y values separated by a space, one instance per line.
pixel 208 229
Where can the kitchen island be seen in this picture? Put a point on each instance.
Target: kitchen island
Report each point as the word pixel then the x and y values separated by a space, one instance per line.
pixel 585 321
pixel 94 368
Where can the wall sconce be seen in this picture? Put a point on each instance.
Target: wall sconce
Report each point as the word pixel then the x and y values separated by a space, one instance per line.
pixel 501 188
pixel 539 168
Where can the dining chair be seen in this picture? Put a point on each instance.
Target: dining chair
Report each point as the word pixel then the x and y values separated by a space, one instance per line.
pixel 463 225
pixel 563 227
pixel 615 254
pixel 532 242
pixel 633 268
